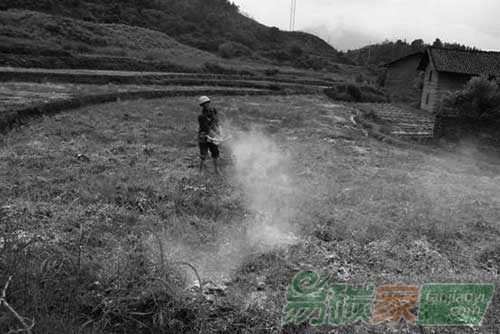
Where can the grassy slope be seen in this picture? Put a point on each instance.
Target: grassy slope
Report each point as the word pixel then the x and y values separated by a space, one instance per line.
pixel 37 33
pixel 93 183
pixel 35 39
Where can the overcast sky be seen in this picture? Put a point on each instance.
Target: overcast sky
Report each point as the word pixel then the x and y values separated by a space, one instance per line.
pixel 349 24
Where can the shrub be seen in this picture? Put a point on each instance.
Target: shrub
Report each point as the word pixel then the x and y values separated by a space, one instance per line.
pixel 279 55
pixel 381 78
pixel 273 34
pixel 125 285
pixel 356 93
pixel 206 44
pixel 232 50
pixel 310 62
pixel 360 78
pixel 216 68
pixel 77 47
pixel 271 71
pixel 479 99
pixel 296 51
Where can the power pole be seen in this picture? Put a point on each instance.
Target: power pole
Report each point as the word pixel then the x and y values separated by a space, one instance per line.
pixel 293 10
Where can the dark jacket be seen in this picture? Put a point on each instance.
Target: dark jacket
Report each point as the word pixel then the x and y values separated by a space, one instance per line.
pixel 207 121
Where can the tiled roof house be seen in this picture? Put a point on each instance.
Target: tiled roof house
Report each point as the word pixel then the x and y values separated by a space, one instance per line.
pixel 449 70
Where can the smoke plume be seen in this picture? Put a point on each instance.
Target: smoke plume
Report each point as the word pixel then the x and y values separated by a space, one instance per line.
pixel 260 168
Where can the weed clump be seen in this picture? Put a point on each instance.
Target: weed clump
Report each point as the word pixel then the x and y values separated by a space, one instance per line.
pixel 123 289
pixel 356 93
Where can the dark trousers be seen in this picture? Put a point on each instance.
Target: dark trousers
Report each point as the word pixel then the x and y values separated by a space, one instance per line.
pixel 205 147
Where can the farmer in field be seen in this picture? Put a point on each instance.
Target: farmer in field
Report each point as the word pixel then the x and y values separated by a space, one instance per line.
pixel 208 133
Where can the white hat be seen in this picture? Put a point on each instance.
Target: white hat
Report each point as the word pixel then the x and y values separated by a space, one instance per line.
pixel 203 99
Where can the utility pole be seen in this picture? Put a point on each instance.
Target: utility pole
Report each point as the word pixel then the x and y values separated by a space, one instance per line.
pixel 293 10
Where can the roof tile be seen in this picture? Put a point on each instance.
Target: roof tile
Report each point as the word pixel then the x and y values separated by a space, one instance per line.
pixel 466 62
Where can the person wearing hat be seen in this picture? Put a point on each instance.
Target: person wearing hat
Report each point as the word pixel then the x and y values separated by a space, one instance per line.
pixel 208 128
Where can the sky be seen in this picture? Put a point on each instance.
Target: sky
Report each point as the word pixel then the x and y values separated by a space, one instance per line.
pixel 350 24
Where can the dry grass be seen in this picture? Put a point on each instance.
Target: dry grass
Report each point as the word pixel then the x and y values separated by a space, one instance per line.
pixel 64 34
pixel 98 191
pixel 18 95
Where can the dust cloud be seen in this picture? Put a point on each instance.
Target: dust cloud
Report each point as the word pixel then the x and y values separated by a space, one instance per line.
pixel 261 169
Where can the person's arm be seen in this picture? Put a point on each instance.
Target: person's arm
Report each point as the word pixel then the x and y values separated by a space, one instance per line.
pixel 215 126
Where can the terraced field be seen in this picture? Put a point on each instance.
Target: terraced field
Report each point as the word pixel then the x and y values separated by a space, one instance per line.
pixel 27 92
pixel 124 77
pixel 18 95
pixel 402 121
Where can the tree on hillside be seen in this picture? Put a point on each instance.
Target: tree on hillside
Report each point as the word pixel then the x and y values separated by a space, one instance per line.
pixel 458 46
pixel 388 51
pixel 437 43
pixel 418 45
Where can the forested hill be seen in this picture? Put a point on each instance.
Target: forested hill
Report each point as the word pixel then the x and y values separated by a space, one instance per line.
pixel 387 51
pixel 216 26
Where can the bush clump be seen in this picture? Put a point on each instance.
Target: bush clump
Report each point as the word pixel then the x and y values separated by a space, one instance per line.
pixel 216 68
pixel 356 93
pixel 271 71
pixel 479 99
pixel 234 50
pixel 105 283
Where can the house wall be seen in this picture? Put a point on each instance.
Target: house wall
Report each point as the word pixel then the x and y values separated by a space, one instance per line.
pixel 401 80
pixel 437 85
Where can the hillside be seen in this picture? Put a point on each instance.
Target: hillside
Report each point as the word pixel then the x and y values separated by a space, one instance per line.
pixel 59 38
pixel 215 26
